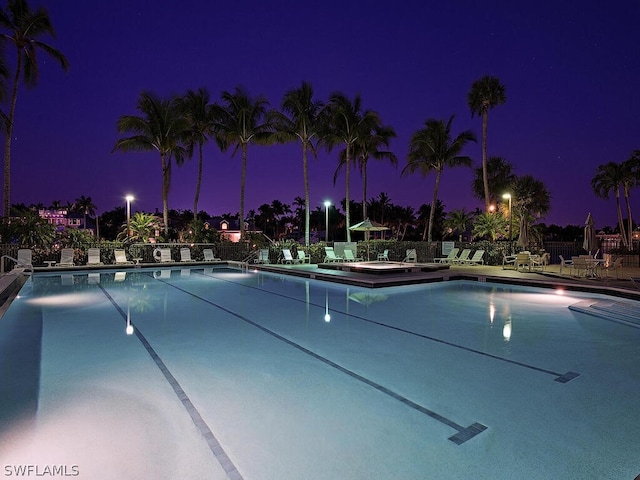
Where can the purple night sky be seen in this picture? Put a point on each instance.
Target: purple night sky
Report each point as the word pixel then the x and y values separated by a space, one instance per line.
pixel 570 70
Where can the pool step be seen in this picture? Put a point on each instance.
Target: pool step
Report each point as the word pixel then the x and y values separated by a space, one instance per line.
pixel 625 312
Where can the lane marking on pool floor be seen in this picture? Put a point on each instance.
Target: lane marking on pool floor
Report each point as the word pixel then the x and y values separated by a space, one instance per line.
pixel 463 433
pixel 559 377
pixel 213 443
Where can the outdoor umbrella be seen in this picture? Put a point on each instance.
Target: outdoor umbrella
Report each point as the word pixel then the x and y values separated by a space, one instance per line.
pixel 590 240
pixel 368 226
pixel 523 238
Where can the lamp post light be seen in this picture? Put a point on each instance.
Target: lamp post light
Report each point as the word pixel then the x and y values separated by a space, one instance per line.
pixel 327 204
pixel 507 196
pixel 129 199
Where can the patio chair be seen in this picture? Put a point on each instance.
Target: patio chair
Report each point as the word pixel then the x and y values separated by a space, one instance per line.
pixel 579 264
pixel 615 266
pixel 330 256
pixel 209 256
pixel 263 256
pixel 121 257
pixel 287 257
pixel 449 258
pixel 350 257
pixel 568 264
pixel 411 256
pixel 464 256
pixel 540 261
pixel 523 259
pixel 476 259
pixel 185 255
pixel 304 257
pixel 384 256
pixel 508 260
pixel 93 257
pixel 66 257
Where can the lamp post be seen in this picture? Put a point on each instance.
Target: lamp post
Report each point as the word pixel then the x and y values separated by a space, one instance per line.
pixel 129 199
pixel 507 196
pixel 327 204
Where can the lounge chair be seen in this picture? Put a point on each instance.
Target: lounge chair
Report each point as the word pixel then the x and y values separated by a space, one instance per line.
pixel 508 260
pixel 384 256
pixel 449 258
pixel 540 261
pixel 25 259
pixel 330 256
pixel 304 257
pixel 93 257
pixel 411 256
pixel 66 257
pixel 263 256
pixel 287 257
pixel 121 257
pixel 476 259
pixel 185 255
pixel 209 257
pixel 165 255
pixel 464 256
pixel 350 257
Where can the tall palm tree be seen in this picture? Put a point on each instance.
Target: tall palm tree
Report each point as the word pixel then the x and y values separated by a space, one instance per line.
pixel 301 120
pixel 200 114
pixel 370 142
pixel 431 149
pixel 500 177
pixel 458 221
pixel 609 178
pixel 86 206
pixel 531 200
pixel 630 179
pixel 485 94
pixel 25 26
pixel 346 125
pixel 160 127
pixel 243 120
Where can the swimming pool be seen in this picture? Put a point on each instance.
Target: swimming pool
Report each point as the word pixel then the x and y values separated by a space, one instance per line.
pixel 219 373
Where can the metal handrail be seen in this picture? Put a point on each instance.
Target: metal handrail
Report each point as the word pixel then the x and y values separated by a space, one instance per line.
pixel 25 265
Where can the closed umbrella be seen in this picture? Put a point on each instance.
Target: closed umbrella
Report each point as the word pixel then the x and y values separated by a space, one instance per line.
pixel 589 242
pixel 368 226
pixel 523 238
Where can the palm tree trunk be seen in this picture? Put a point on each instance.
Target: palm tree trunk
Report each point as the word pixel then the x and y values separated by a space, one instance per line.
pixel 7 139
pixel 346 207
pixel 485 177
pixel 433 205
pixel 307 201
pixel 243 177
pixel 166 176
pixel 629 220
pixel 367 234
pixel 198 184
pixel 623 232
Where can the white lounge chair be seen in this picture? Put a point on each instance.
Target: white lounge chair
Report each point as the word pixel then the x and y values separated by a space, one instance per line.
pixel 304 257
pixel 263 256
pixel 25 259
pixel 449 258
pixel 330 256
pixel 350 257
pixel 508 260
pixel 66 257
pixel 121 257
pixel 384 256
pixel 411 256
pixel 209 257
pixel 165 255
pixel 185 255
pixel 476 259
pixel 287 257
pixel 464 256
pixel 93 257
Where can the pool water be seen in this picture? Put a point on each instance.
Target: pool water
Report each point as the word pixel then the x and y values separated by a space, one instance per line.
pixel 219 373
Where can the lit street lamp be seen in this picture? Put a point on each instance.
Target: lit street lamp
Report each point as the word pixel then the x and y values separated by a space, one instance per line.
pixel 327 204
pixel 129 199
pixel 507 196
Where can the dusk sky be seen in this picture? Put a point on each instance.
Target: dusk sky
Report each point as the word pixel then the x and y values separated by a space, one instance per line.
pixel 570 70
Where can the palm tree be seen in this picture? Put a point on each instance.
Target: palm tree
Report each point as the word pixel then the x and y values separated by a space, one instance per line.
pixel 609 178
pixel 86 206
pixel 142 227
pixel 25 26
pixel 301 120
pixel 491 225
pixel 630 179
pixel 433 149
pixel 243 120
pixel 369 144
pixel 500 177
pixel 458 221
pixel 347 124
pixel 195 106
pixel 485 94
pixel 160 127
pixel 531 200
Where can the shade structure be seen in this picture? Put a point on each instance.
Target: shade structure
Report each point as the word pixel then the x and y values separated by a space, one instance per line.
pixel 368 226
pixel 523 238
pixel 589 242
